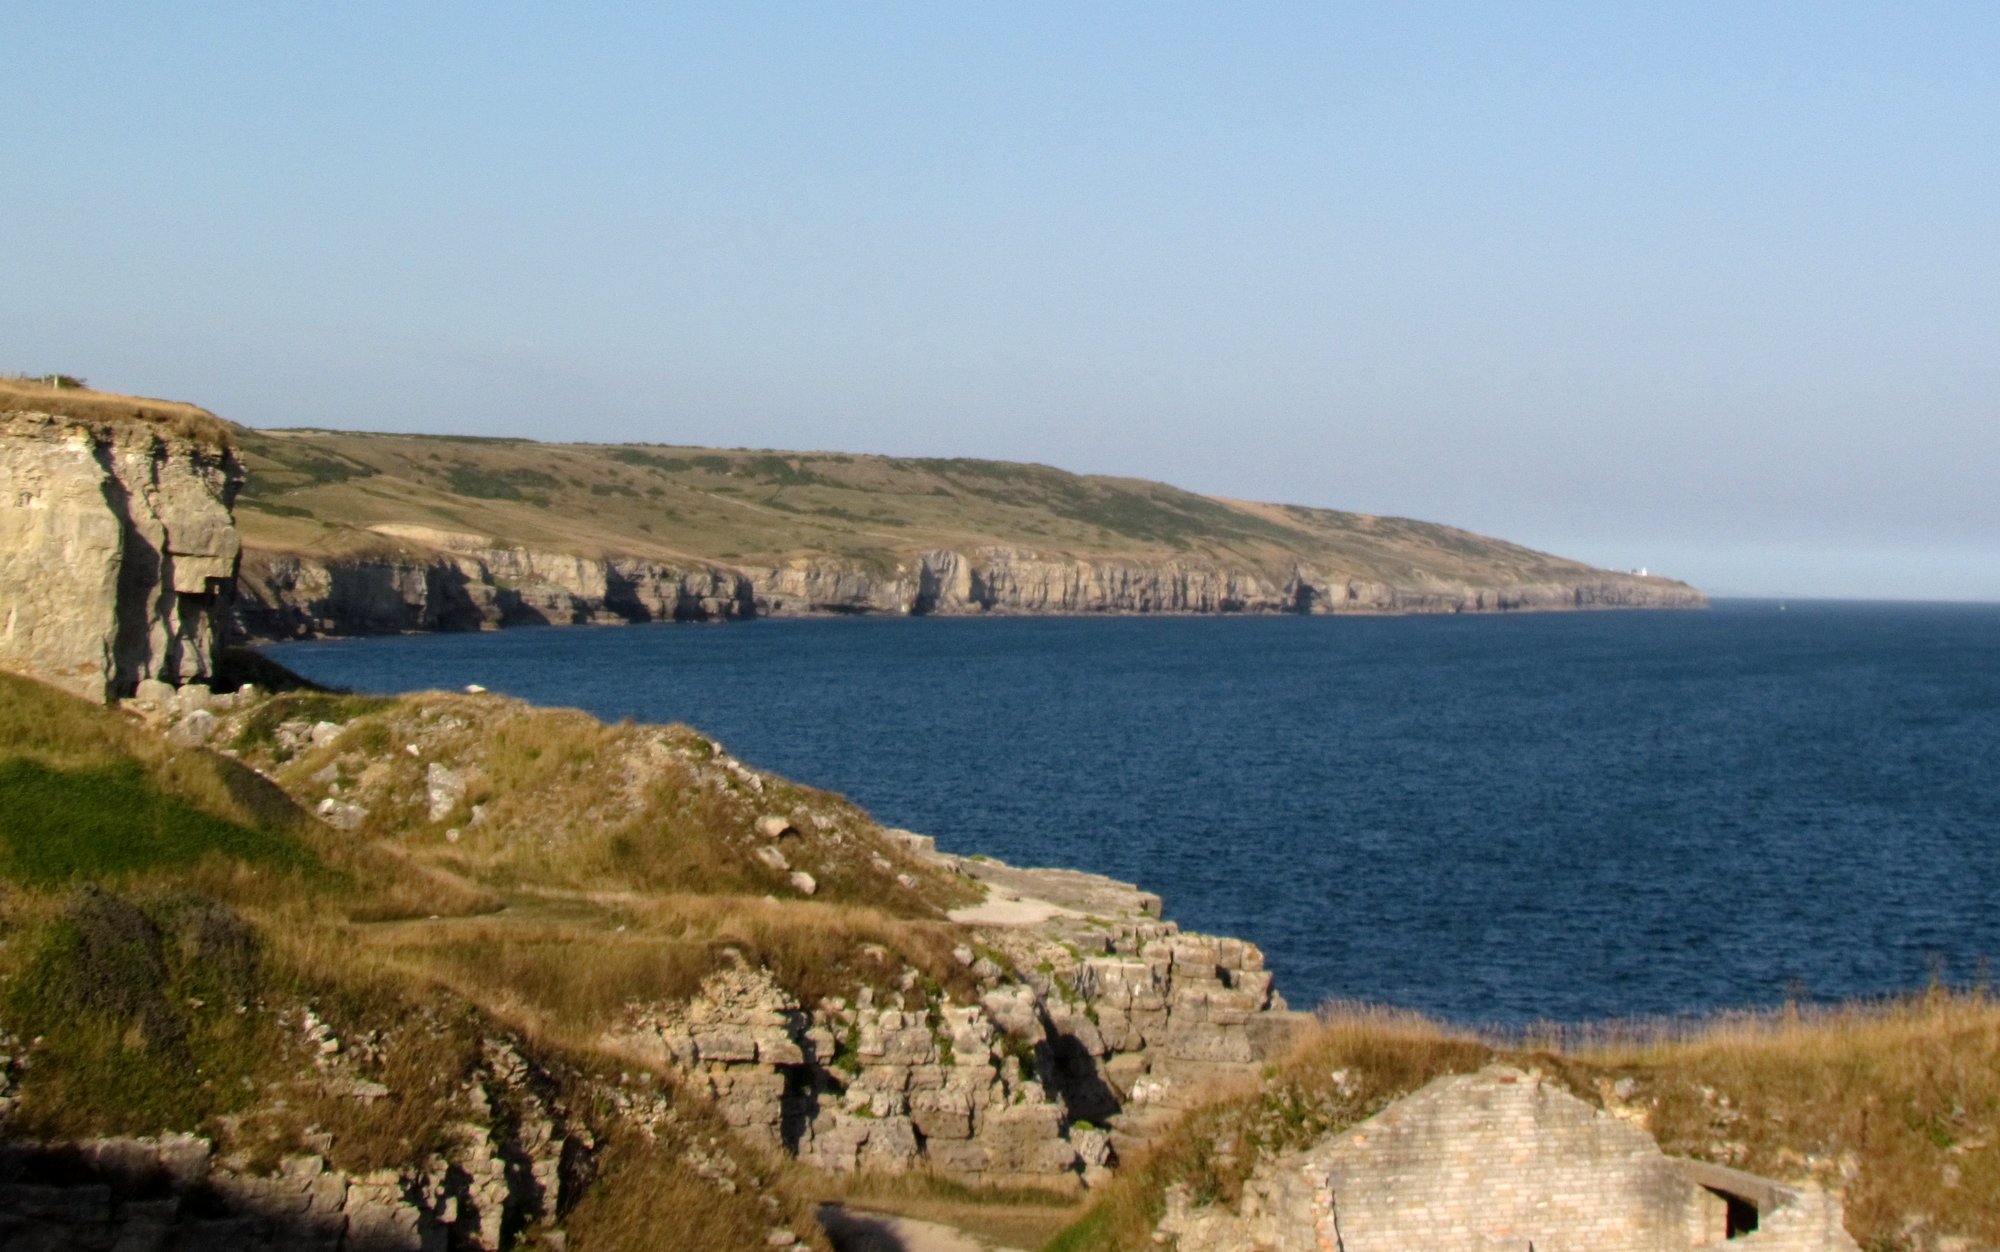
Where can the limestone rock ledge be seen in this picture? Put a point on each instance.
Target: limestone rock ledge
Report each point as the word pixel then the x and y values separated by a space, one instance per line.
pixel 1095 1022
pixel 438 581
pixel 117 551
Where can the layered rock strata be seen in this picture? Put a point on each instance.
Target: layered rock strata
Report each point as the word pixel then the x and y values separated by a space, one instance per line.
pixel 437 581
pixel 117 551
pixel 504 1176
pixel 1094 1020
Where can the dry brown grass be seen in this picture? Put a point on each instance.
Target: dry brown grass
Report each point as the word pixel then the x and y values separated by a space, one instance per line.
pixel 415 948
pixel 1896 1103
pixel 567 802
pixel 565 970
pixel 644 1199
pixel 1019 1217
pixel 186 421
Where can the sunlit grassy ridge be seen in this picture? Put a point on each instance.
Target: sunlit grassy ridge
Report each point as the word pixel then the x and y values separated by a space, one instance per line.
pixel 27 394
pixel 321 491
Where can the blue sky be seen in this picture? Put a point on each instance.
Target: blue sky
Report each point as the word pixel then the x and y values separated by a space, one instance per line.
pixel 1708 288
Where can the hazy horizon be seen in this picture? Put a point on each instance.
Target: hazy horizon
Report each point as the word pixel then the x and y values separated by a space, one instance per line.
pixel 1711 290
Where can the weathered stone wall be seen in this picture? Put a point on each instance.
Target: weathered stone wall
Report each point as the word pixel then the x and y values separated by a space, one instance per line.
pixel 117 552
pixel 1496 1160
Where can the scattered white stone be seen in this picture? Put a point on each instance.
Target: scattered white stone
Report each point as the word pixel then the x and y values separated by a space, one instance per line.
pixel 340 815
pixel 770 856
pixel 474 689
pixel 805 882
pixel 410 748
pixel 451 836
pixel 444 788
pixel 194 730
pixel 324 733
pixel 774 826
pixel 154 693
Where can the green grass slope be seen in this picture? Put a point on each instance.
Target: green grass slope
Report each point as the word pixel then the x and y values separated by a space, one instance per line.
pixel 91 797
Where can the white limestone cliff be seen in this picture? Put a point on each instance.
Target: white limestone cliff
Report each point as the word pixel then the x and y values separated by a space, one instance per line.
pixel 117 551
pixel 438 582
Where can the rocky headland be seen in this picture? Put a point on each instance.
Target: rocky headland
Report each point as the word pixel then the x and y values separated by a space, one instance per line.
pixel 351 533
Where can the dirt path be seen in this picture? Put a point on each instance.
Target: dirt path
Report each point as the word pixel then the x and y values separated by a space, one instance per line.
pixel 858 1230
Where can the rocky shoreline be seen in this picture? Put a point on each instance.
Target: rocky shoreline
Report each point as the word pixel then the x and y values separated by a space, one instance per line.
pixel 439 582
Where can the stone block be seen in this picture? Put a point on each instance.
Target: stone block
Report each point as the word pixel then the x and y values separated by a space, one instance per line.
pixel 942 1114
pixel 891 1146
pixel 724 1042
pixel 959 1156
pixel 775 1046
pixel 912 1045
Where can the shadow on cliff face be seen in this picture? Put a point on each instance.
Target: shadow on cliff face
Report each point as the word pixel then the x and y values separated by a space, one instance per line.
pixel 1087 1095
pixel 450 603
pixel 137 1193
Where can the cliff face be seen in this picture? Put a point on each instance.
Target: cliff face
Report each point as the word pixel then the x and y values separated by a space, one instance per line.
pixel 285 596
pixel 117 551
pixel 464 583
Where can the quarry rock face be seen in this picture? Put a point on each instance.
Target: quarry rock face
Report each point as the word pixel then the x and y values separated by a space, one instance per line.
pixel 434 581
pixel 502 1177
pixel 1109 1023
pixel 117 552
pixel 1503 1159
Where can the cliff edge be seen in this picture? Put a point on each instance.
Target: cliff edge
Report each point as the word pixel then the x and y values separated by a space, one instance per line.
pixel 117 548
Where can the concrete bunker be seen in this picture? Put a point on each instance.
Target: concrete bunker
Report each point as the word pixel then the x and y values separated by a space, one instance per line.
pixel 1505 1159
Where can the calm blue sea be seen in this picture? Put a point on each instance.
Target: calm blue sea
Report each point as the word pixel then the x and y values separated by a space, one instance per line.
pixel 1492 819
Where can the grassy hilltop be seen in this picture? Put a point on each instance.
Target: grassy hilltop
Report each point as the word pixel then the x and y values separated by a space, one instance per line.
pixel 318 491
